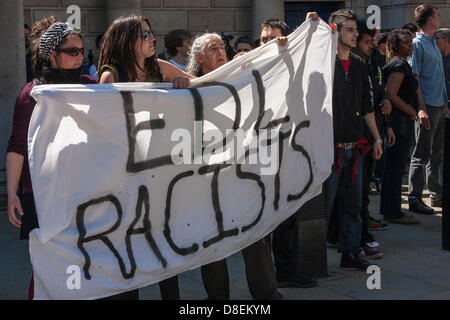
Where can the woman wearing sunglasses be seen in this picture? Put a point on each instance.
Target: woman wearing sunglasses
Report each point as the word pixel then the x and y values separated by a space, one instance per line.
pixel 57 57
pixel 128 55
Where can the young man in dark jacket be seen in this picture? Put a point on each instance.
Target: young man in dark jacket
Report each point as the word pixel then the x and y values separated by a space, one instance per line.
pixel 351 104
pixel 382 107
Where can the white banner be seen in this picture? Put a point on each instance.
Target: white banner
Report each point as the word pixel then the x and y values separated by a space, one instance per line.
pixel 131 182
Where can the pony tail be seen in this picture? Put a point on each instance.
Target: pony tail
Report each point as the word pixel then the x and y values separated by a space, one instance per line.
pixel 37 31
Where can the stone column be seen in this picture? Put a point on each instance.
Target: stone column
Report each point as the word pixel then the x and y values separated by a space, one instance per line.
pixel 117 8
pixel 263 10
pixel 12 75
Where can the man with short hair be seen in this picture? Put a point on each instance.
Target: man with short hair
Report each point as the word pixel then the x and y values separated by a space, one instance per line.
pixel 285 238
pixel 178 43
pixel 427 66
pixel 351 105
pixel 273 28
pixel 382 106
pixel 244 44
pixel 411 27
pixel 442 37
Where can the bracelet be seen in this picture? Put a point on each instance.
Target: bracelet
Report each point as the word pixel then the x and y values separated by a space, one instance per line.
pixel 379 141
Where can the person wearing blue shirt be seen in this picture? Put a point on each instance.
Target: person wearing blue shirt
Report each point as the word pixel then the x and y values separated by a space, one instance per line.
pixel 432 96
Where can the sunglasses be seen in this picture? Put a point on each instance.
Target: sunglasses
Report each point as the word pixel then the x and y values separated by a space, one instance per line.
pixel 71 51
pixel 146 34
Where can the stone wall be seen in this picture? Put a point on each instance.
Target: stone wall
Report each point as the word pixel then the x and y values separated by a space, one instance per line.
pixel 197 16
pixel 396 13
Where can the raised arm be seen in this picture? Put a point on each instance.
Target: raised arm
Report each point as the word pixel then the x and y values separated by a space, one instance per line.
pixel 179 78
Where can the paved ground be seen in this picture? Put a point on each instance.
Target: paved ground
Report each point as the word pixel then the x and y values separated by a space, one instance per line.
pixel 413 267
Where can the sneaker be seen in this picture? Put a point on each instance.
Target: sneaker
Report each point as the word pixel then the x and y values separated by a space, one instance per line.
pixel 371 252
pixel 353 261
pixel 376 225
pixel 418 206
pixel 372 244
pixel 407 218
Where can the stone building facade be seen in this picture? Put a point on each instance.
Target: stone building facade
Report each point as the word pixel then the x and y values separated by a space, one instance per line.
pixel 240 17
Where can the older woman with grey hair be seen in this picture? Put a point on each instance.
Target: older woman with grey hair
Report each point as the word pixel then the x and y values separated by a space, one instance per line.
pixel 207 54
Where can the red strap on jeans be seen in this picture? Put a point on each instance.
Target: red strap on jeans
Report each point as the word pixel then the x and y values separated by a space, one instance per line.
pixel 361 146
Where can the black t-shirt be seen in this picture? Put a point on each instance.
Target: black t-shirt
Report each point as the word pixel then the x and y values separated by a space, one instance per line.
pixel 400 121
pixel 408 88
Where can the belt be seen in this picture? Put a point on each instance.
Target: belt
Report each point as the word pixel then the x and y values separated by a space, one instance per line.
pixel 346 145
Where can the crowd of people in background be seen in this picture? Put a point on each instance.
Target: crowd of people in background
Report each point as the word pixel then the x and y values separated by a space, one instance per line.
pixel 390 98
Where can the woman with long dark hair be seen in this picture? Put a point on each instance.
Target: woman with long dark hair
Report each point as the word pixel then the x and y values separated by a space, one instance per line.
pixel 57 58
pixel 401 88
pixel 128 55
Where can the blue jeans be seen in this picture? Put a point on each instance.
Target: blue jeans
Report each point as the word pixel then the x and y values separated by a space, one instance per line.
pixel 348 196
pixel 394 168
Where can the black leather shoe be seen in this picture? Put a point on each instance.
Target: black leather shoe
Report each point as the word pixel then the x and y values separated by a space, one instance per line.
pixel 350 260
pixel 419 207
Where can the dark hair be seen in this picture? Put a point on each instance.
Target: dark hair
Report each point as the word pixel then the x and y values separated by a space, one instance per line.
pixel 392 43
pixel 37 31
pixel 444 32
pixel 276 23
pixel 422 13
pixel 383 37
pixel 118 47
pixel 411 27
pixel 26 26
pixel 98 40
pixel 245 39
pixel 361 25
pixel 341 16
pixel 174 39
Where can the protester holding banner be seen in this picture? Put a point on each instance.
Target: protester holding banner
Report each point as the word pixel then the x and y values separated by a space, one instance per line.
pixel 382 107
pixel 57 58
pixel 285 237
pixel 207 54
pixel 401 87
pixel 138 63
pixel 351 104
